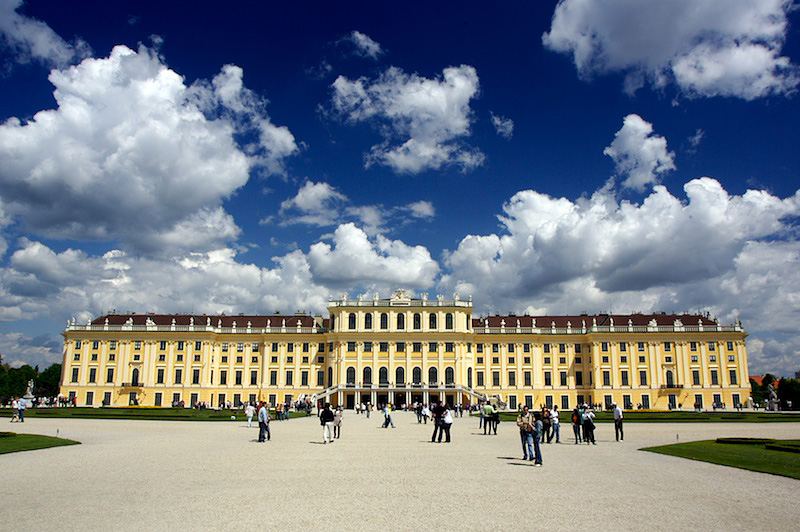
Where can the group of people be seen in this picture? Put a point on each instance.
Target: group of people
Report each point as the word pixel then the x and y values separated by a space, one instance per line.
pixel 331 421
pixel 18 406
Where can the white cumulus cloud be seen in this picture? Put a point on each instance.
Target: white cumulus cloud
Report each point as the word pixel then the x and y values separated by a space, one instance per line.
pixel 639 155
pixel 364 45
pixel 706 47
pixel 31 39
pixel 503 126
pixel 135 155
pixel 428 117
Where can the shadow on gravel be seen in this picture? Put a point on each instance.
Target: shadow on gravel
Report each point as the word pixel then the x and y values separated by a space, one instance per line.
pixel 518 464
pixel 508 458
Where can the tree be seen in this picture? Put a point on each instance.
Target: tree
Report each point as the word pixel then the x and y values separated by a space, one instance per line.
pixel 756 391
pixel 46 384
pixel 789 391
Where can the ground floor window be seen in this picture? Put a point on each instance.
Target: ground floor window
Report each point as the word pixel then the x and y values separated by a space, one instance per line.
pixel 736 400
pixel 106 398
pixel 176 398
pixel 717 400
pixel 89 398
pixel 273 399
pixel 672 400
pixel 565 402
pixel 221 400
pixel 698 400
pixel 237 400
pixel 158 399
pixel 529 401
pixel 548 401
pixel 581 399
pixel 626 402
pixel 193 399
pixel 512 402
pixel 645 401
pixel 607 400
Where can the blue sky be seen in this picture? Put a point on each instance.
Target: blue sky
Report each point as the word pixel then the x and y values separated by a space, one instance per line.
pixel 544 157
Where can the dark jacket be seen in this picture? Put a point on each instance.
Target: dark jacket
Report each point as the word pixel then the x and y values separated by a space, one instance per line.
pixel 327 416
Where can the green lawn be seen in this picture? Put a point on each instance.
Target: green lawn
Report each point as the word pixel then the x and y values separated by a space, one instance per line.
pixel 750 457
pixel 11 442
pixel 167 414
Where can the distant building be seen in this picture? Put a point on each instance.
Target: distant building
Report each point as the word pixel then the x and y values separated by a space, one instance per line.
pixel 404 350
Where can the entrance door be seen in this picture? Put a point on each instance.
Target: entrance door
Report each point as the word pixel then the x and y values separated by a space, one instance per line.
pixel 365 398
pixel 673 403
pixel 350 401
pixel 450 399
pixel 383 398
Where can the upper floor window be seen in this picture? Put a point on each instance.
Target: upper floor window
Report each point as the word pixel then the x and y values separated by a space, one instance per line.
pixel 712 346
pixel 432 321
pixel 546 348
pixel 384 321
pixel 77 344
pixel 667 346
pixel 448 321
pixel 417 321
pixel 112 344
pixel 137 344
pixel 730 346
pixel 368 321
pixel 640 346
pixel 95 344
pixel 199 345
pixel 351 321
pixel 180 345
pixel 692 346
pixel 401 321
pixel 623 347
pixel 240 348
pixel 604 346
pixel 224 347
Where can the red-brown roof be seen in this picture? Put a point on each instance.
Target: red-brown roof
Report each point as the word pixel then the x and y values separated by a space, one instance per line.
pixel 215 320
pixel 602 320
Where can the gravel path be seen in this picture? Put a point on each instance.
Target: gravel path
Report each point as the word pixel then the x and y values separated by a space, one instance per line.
pixel 163 475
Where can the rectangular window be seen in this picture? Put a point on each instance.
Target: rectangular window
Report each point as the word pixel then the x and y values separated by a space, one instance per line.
pixel 526 348
pixel 224 347
pixel 712 358
pixel 642 359
pixel 469 347
pixel 112 344
pixel 92 374
pixel 604 347
pixel 162 357
pixel 178 375
pixel 565 403
pixel 495 378
pixel 254 360
pixel 400 347
pixel 547 360
pixel 110 375
pixel 623 347
pixel 562 348
pixel 288 377
pixel 548 379
pixel 239 360
pixel 692 346
pixel 495 360
pixel 76 356
pixel 623 359
pixel 351 346
pixel 432 347
pixel 512 378
pixel 89 398
pixel 274 347
pixel 160 376
pixel 195 376
pixel 253 377
pixel 495 348
pixel 640 346
pixel 563 378
pixel 480 360
pixel 416 347
pixel 712 346
pixel 383 347
pixel 733 377
pixel 526 360
pixel 224 359
pixel 223 377
pixel 321 347
pixel 290 347
pixel 511 360
pixel 448 347
pixel 368 347
pixel 479 348
pixel 548 401
pixel 645 401
pixel 623 377
pixel 714 378
pixel 695 378
pixel 605 359
pixel 303 378
pixel 626 402
pixel 731 358
pixel 162 345
pixel 510 348
pixel 305 347
pixel 238 377
pixel 730 346
pixel 643 377
pixel 667 346
pixel 562 360
pixel 77 344
pixel 527 377
pixel 668 360
pixel 240 347
pixel 320 378
pixel 546 348
pixel 529 401
pixel 273 360
pixel 273 378
pixel 606 378
pixel 197 358
pixel 512 402
pixel 694 358
pixel 577 360
pixel 479 375
pixel 180 345
pixel 198 345
pixel 578 378
pixel 289 360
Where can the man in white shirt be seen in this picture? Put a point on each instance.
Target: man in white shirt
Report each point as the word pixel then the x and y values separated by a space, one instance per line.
pixel 249 410
pixel 618 422
pixel 555 425
pixel 21 404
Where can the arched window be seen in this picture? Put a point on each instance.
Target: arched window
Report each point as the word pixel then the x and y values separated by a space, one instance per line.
pixel 384 321
pixel 416 375
pixel 433 377
pixel 448 321
pixel 330 377
pixel 400 376
pixel 449 376
pixel 670 380
pixel 333 321
pixel 401 321
pixel 383 377
pixel 368 321
pixel 351 376
pixel 351 321
pixel 469 377
pixel 367 376
pixel 417 321
pixel 135 377
pixel 431 321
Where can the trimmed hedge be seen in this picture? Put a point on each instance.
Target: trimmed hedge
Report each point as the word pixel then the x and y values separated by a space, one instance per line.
pixel 746 441
pixel 785 447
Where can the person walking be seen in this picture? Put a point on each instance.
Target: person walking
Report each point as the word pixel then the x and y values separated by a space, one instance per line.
pixel 546 434
pixel 588 425
pixel 537 434
pixel 438 415
pixel 555 425
pixel 577 420
pixel 369 409
pixel 387 416
pixel 326 420
pixel 618 423
pixel 263 423
pixel 249 411
pixel 14 410
pixel 525 423
pixel 337 422
pixel 22 404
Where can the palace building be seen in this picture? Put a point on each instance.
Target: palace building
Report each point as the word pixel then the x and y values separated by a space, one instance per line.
pixel 402 350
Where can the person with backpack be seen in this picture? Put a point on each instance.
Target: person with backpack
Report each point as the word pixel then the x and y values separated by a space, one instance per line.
pixel 326 420
pixel 577 421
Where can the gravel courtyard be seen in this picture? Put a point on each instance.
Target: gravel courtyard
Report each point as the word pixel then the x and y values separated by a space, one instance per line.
pixel 162 475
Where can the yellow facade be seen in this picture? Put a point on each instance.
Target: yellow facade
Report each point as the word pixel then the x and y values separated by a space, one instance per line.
pixel 404 350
